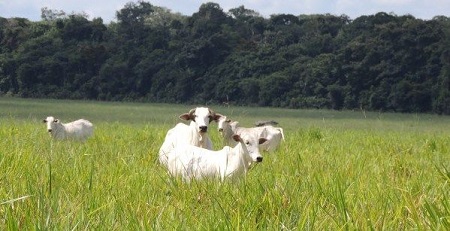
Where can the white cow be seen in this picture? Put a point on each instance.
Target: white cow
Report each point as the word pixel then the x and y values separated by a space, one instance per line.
pixel 195 133
pixel 193 162
pixel 77 130
pixel 273 135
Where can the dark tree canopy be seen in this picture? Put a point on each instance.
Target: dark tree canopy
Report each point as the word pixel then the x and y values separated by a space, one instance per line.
pixel 380 62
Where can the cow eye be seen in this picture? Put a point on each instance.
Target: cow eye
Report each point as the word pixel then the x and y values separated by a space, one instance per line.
pixel 55 121
pixel 247 142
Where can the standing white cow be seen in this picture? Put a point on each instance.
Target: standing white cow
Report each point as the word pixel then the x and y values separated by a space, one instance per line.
pixel 195 133
pixel 273 135
pixel 192 162
pixel 77 130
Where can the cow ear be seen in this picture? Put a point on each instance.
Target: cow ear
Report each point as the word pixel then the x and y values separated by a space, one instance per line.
pixel 262 140
pixel 236 138
pixel 216 117
pixel 185 116
pixel 188 116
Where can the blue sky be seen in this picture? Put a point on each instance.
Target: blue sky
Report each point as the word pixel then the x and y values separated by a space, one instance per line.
pixel 106 9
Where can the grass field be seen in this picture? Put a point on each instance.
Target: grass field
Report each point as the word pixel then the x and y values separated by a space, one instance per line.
pixel 336 170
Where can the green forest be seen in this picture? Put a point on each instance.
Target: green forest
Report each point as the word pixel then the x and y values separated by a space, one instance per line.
pixel 381 62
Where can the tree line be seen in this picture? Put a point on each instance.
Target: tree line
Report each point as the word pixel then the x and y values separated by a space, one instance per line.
pixel 380 62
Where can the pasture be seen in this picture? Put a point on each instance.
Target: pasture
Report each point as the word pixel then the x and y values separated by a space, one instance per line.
pixel 336 170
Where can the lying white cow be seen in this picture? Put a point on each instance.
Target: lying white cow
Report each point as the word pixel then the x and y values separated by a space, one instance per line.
pixel 273 135
pixel 77 130
pixel 261 123
pixel 195 133
pixel 192 162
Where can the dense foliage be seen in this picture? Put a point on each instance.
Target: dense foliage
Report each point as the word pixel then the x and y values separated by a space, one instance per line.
pixel 375 62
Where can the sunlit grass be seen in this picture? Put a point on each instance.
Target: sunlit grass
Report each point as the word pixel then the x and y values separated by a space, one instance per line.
pixel 336 170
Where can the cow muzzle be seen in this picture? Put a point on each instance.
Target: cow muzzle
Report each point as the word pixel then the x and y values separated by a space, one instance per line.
pixel 259 159
pixel 203 129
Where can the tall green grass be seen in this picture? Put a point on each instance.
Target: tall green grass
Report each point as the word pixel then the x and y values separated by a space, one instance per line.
pixel 335 170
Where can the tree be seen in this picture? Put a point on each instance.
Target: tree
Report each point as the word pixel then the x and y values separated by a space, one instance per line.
pixel 378 62
pixel 52 15
pixel 131 21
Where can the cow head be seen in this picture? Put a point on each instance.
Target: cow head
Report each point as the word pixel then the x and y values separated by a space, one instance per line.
pixel 223 125
pixel 250 143
pixel 202 116
pixel 51 123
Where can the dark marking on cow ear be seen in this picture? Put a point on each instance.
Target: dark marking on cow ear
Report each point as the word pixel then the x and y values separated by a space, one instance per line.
pixel 236 137
pixel 216 116
pixel 262 140
pixel 185 116
pixel 192 113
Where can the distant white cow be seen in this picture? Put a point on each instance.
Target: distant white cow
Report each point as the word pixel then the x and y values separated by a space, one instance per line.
pixel 273 135
pixel 77 130
pixel 195 133
pixel 192 162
